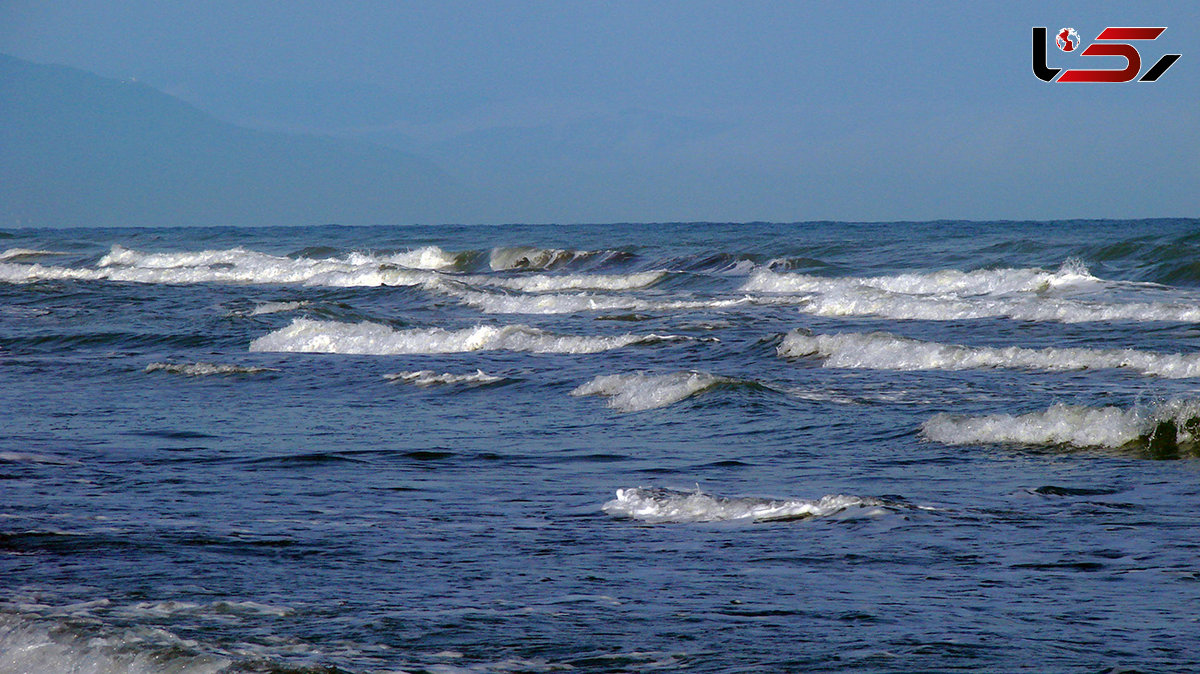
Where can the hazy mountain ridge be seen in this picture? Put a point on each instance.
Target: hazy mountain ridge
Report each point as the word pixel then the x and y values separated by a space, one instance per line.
pixel 131 155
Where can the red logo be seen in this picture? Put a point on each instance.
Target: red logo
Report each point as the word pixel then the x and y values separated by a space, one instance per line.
pixel 1110 42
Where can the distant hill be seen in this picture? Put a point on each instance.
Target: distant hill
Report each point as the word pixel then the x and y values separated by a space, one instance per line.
pixel 81 150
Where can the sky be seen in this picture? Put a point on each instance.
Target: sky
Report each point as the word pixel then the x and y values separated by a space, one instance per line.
pixel 570 111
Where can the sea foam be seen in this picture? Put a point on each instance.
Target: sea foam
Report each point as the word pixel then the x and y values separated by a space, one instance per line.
pixel 885 351
pixel 657 506
pixel 638 391
pixel 1074 425
pixel 310 336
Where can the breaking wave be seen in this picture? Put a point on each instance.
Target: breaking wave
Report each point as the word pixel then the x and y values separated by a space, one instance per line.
pixel 1018 294
pixel 430 378
pixel 507 258
pixel 28 645
pixel 310 336
pixel 640 391
pixel 1165 426
pixel 657 505
pixel 885 351
pixel 979 282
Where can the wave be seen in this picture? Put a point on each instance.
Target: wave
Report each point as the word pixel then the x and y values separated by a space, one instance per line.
pixel 1164 427
pixel 571 303
pixel 947 281
pixel 235 265
pixel 206 369
pixel 885 351
pixel 1018 294
pixel 431 378
pixel 512 258
pixel 659 506
pixel 541 283
pixel 640 391
pixel 19 253
pixel 901 307
pixel 310 336
pixel 35 645
pixel 277 307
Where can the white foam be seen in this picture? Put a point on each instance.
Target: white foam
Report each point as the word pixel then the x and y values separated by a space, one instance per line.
pixel 206 369
pixel 1037 309
pixel 884 351
pixel 1019 294
pixel 657 506
pixel 1060 424
pixel 431 378
pixel 640 391
pixel 570 303
pixel 541 283
pixel 235 265
pixel 309 336
pixel 36 646
pixel 952 281
pixel 426 257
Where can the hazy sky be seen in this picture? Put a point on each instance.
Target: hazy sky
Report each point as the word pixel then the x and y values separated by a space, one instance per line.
pixel 651 111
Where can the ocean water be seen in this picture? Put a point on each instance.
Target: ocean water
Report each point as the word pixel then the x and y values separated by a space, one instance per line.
pixel 897 447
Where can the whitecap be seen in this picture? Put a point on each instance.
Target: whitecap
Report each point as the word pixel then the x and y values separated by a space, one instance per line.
pixel 310 336
pixel 639 391
pixel 885 351
pixel 1074 425
pixel 658 506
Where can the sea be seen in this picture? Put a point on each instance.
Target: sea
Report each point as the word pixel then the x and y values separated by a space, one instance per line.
pixel 810 447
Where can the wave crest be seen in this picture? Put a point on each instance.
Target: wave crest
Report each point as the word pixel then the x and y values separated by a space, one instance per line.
pixel 310 336
pixel 885 351
pixel 657 505
pixel 1168 426
pixel 639 391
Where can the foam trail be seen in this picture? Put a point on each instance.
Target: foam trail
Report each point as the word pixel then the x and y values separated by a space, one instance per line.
pixel 425 378
pixel 640 391
pixel 205 369
pixel 1073 425
pixel 657 506
pixel 310 336
pixel 885 351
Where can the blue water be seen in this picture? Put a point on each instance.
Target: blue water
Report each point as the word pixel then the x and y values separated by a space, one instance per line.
pixel 598 452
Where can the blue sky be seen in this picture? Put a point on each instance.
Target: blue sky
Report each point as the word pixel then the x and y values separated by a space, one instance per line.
pixel 666 111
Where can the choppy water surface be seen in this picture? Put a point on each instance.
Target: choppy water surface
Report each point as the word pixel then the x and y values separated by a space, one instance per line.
pixel 719 448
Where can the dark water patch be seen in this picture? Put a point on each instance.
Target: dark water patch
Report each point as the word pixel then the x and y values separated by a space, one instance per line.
pixel 1052 490
pixel 429 455
pixel 314 459
pixel 170 434
pixel 1061 566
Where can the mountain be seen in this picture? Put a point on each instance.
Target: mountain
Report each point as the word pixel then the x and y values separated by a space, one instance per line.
pixel 77 149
